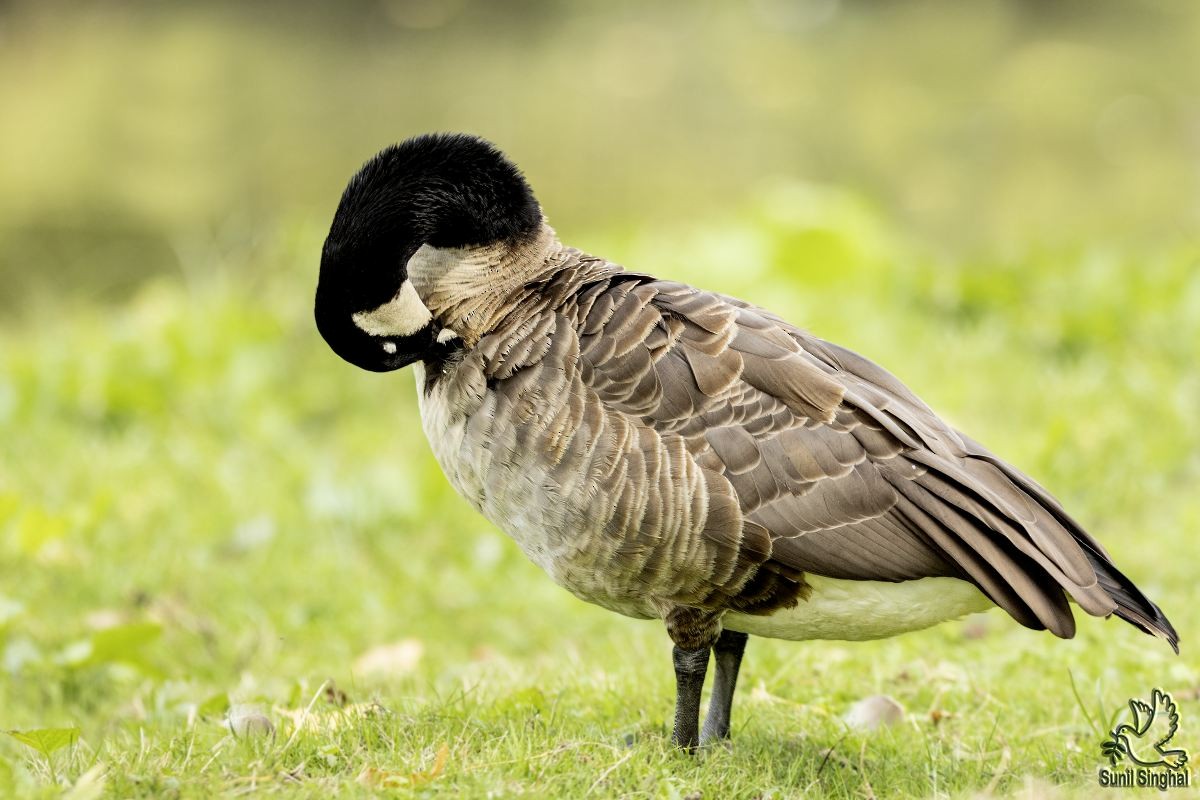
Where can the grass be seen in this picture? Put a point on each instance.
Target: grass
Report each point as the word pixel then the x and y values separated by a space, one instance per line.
pixel 228 562
pixel 205 518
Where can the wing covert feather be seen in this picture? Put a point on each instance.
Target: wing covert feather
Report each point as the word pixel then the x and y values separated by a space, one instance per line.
pixel 849 474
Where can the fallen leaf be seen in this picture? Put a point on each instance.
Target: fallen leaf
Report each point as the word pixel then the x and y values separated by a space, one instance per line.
pixel 876 711
pixel 439 766
pixel 375 778
pixel 330 721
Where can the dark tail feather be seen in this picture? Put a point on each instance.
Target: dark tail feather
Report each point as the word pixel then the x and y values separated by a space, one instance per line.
pixel 1132 606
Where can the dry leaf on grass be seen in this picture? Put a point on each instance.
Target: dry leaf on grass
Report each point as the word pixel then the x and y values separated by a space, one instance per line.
pixel 330 721
pixel 375 778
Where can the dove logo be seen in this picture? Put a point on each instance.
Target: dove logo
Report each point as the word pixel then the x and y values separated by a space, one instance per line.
pixel 1140 753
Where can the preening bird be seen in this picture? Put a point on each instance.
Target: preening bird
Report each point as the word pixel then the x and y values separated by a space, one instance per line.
pixel 676 454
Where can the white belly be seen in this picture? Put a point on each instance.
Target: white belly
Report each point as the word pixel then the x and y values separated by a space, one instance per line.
pixel 855 610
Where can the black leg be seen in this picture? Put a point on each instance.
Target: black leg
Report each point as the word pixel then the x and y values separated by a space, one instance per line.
pixel 690 666
pixel 728 652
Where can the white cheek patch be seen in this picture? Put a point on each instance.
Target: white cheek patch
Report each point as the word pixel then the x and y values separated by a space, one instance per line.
pixel 403 315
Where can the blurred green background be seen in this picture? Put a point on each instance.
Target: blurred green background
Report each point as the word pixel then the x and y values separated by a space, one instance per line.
pixel 201 506
pixel 140 138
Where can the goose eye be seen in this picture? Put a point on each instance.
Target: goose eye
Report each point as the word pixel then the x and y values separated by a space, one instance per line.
pixel 389 347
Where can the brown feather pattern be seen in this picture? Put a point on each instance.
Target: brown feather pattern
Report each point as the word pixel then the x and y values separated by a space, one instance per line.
pixel 694 451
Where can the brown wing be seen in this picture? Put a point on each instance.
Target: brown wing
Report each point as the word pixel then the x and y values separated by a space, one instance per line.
pixel 849 472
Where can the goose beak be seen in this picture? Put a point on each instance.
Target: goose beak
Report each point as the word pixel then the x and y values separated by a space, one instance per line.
pixel 376 353
pixel 396 352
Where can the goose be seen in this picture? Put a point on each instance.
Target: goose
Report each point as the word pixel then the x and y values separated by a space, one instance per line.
pixel 676 454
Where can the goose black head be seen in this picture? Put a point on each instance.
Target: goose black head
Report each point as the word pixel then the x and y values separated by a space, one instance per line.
pixel 445 190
